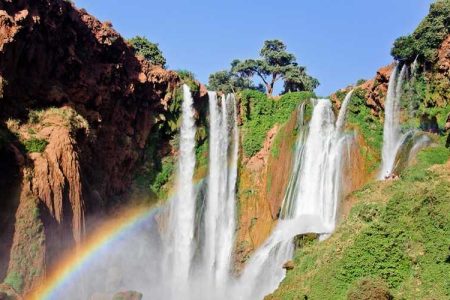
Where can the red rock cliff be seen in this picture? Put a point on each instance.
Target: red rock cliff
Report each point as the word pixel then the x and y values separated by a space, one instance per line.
pixel 105 101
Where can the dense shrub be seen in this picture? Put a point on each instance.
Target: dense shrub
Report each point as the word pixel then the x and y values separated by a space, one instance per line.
pixel 163 176
pixel 189 78
pixel 428 36
pixel 394 242
pixel 369 289
pixel 15 280
pixel 150 51
pixel 35 145
pixel 260 113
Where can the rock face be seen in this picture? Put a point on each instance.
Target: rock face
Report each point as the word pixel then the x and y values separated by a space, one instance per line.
pixel 262 184
pixel 376 90
pixel 71 82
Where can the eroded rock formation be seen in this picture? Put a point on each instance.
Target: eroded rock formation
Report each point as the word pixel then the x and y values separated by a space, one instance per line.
pixel 74 93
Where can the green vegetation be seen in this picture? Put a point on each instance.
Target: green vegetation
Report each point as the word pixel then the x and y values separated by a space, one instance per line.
pixel 189 79
pixel 150 51
pixel 369 288
pixel 274 64
pixel 369 126
pixel 35 145
pixel 26 260
pixel 428 36
pixel 161 178
pixel 395 242
pixel 260 113
pixel 427 94
pixel 71 118
pixel 230 82
pixel 157 170
pixel 15 280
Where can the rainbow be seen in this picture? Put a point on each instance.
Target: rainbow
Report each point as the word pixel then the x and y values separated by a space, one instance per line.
pixel 72 264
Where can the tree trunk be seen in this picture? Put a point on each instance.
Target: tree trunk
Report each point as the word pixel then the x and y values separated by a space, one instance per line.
pixel 269 90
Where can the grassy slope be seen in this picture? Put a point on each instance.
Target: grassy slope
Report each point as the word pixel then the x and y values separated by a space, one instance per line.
pixel 397 232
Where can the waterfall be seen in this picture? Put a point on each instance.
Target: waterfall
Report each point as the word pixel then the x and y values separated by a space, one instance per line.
pixel 182 250
pixel 310 208
pixel 391 130
pixel 287 208
pixel 340 123
pixel 220 202
pixel 180 235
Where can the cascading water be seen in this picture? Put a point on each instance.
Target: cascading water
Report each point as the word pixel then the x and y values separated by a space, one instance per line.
pixel 180 237
pixel 220 202
pixel 391 130
pixel 310 208
pixel 340 123
pixel 182 250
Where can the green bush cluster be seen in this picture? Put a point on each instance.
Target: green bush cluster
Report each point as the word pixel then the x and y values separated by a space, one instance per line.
pixel 260 113
pixel 150 51
pixel 429 35
pixel 35 145
pixel 163 176
pixel 189 78
pixel 395 237
pixel 369 126
pixel 369 288
pixel 15 280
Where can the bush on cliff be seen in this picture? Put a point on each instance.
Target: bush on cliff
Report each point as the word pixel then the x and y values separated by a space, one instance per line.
pixel 150 51
pixel 402 242
pixel 260 113
pixel 426 39
pixel 15 280
pixel 35 145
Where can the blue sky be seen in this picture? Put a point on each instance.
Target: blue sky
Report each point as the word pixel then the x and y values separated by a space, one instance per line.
pixel 339 41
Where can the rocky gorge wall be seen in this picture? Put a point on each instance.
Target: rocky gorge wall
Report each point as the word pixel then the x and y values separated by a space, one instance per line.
pixel 76 110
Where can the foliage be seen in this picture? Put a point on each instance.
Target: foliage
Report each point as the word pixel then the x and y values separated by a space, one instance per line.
pixel 229 82
pixel 296 79
pixel 360 118
pixel 161 178
pixel 395 238
pixel 189 78
pixel 428 36
pixel 15 280
pixel 150 51
pixel 361 81
pixel 35 145
pixel 260 113
pixel 369 288
pixel 72 119
pixel 274 64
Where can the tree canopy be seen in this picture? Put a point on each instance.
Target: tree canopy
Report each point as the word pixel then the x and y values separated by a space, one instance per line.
pixel 150 51
pixel 425 41
pixel 229 82
pixel 275 64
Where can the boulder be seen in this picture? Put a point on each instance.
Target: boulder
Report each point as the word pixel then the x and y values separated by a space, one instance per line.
pixel 129 295
pixel 289 265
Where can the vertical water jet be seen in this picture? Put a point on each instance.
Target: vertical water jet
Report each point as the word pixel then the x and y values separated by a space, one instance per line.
pixel 220 202
pixel 180 235
pixel 311 200
pixel 391 129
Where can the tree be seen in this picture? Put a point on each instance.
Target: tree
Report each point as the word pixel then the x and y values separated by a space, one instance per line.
pixel 148 50
pixel 229 82
pixel 296 80
pixel 274 64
